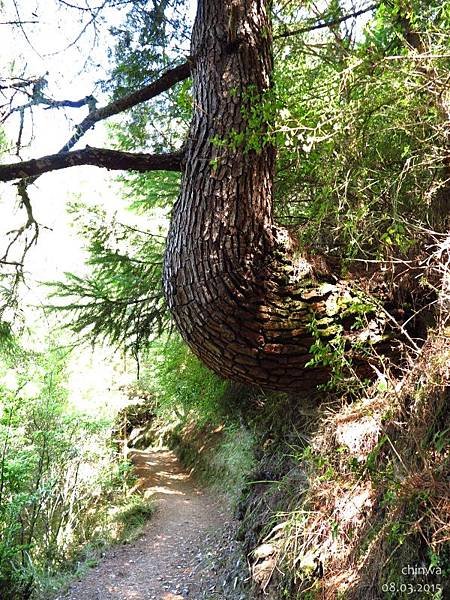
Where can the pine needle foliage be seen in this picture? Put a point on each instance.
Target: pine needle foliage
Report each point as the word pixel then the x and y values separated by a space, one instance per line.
pixel 120 300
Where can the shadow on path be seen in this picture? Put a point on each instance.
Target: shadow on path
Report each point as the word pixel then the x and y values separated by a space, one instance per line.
pixel 165 562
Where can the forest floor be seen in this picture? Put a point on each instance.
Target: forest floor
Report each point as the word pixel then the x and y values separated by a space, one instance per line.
pixel 173 559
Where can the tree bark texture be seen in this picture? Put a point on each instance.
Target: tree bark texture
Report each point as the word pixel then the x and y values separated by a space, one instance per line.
pixel 245 304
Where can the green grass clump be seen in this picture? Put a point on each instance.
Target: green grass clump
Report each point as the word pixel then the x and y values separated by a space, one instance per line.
pixel 131 517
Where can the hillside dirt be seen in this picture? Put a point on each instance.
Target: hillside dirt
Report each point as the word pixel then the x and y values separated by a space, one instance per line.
pixel 174 558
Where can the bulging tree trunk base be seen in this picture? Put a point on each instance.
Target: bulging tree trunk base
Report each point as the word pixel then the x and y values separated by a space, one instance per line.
pixel 250 309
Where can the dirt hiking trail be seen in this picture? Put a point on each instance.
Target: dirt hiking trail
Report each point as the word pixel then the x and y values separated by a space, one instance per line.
pixel 168 560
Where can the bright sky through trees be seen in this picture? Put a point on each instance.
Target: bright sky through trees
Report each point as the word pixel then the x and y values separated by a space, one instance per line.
pixel 70 49
pixel 60 45
pixel 58 42
pixel 70 76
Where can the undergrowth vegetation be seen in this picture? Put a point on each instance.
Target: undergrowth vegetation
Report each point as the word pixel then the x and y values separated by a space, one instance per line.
pixel 352 498
pixel 64 491
pixel 361 132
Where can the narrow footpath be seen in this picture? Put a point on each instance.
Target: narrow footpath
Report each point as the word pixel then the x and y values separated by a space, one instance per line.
pixel 174 557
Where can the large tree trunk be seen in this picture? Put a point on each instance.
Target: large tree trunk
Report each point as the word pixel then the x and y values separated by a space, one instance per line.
pixel 244 304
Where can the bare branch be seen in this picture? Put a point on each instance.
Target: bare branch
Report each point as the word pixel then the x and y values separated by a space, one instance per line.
pixel 50 103
pixel 100 157
pixel 24 33
pixel 92 21
pixel 164 83
pixel 19 83
pixel 23 232
pixel 329 23
pixel 19 136
pixel 87 100
pixel 11 263
pixel 91 8
pixel 18 22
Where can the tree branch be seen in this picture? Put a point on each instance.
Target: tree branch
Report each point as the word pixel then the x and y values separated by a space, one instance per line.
pixel 18 22
pixel 20 83
pixel 164 83
pixel 49 103
pixel 100 157
pixel 87 100
pixel 329 23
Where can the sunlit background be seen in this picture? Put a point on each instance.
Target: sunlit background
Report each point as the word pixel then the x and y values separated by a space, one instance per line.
pixel 62 44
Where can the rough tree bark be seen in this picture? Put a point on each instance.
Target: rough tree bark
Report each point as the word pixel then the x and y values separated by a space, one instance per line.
pixel 244 302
